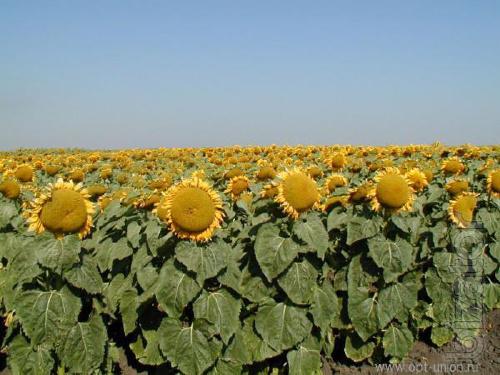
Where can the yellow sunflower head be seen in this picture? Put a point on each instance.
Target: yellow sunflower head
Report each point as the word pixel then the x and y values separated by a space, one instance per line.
pixel 461 210
pixel 63 208
pixel 337 161
pixel 493 183
pixel 24 173
pixel 236 186
pixel 269 191
pixel 334 181
pixel 453 166
pixel 297 193
pixel 417 178
pixel 315 172
pixel 361 193
pixel 193 210
pixel 341 200
pixel 266 172
pixel 392 192
pixel 10 189
pixel 456 187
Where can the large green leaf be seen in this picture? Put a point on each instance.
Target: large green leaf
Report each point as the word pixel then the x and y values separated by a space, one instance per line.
pixel 57 254
pixel 83 349
pixel 394 257
pixel 175 289
pixel 149 354
pixel 397 299
pixel 359 228
pixel 24 359
pixel 305 360
pixel 46 315
pixel 85 275
pixel 282 325
pixel 450 266
pixel 129 302
pixel 274 253
pixel 325 306
pixel 397 341
pixel 298 282
pixel 441 335
pixel 221 309
pixel 186 347
pixel 361 304
pixel 313 233
pixel 356 349
pixel 204 260
pixel 133 233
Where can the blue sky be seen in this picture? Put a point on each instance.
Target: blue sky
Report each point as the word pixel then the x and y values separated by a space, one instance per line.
pixel 116 74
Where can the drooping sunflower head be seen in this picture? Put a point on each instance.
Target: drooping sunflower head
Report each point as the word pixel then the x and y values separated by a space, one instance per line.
pixel 493 183
pixel 10 189
pixel 269 191
pixel 337 161
pixel 297 193
pixel 361 193
pixel 461 210
pixel 315 172
pixel 340 200
pixel 63 208
pixel 193 210
pixel 266 172
pixel 417 178
pixel 453 166
pixel 456 187
pixel 334 181
pixel 236 186
pixel 24 173
pixel 392 192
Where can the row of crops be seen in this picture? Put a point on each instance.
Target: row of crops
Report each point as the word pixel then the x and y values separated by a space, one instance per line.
pixel 243 259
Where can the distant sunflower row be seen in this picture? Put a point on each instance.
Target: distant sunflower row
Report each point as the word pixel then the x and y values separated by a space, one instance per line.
pixel 193 210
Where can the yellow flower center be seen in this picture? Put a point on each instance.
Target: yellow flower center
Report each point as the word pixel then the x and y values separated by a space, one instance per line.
pixel 192 209
pixel 65 212
pixel 300 191
pixel 392 191
pixel 239 186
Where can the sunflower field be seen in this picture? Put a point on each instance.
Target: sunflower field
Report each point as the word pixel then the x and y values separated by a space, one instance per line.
pixel 252 260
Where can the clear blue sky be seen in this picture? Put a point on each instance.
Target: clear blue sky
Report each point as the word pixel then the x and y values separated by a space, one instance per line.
pixel 111 74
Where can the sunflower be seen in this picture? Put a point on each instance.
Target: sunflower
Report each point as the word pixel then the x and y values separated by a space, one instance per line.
pixel 192 210
pixel 417 178
pixel 24 173
pixel 266 172
pixel 297 193
pixel 461 210
pixel 334 181
pixel 493 183
pixel 456 187
pixel 392 191
pixel 340 200
pixel 453 166
pixel 63 208
pixel 10 189
pixel 236 186
pixel 361 193
pixel 337 161
pixel 269 191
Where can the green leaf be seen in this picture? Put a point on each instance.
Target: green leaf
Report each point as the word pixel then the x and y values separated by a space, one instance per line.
pixel 298 282
pixel 490 220
pixel 356 349
pixel 443 306
pixel 221 309
pixel 313 233
pixel 274 253
pixel 57 254
pixel 205 260
pixel 325 306
pixel 85 276
pixel 336 220
pixel 397 341
pixel 396 299
pixel 359 228
pixel 175 289
pixel 185 347
pixel 450 266
pixel 24 359
pixel 361 305
pixel 7 211
pixel 83 349
pixel 304 361
pixel 133 234
pixel 128 307
pixel 492 296
pixel 45 316
pixel 441 335
pixel 117 251
pixel 281 325
pixel 393 257
pixel 114 290
pixel 149 354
